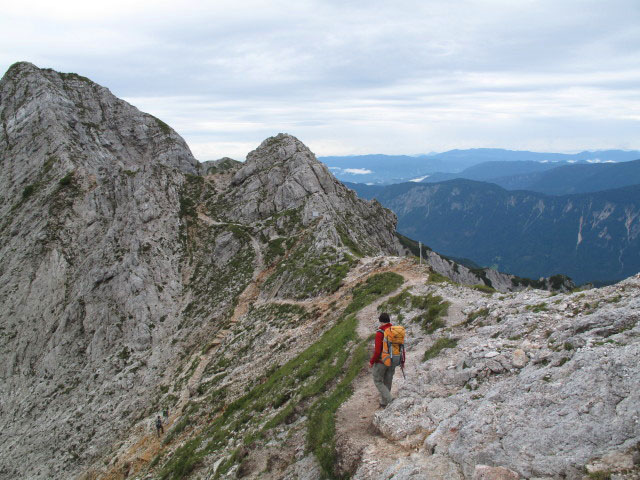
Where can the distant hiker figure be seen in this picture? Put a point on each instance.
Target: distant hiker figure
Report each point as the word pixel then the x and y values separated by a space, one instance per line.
pixel 387 355
pixel 165 414
pixel 159 427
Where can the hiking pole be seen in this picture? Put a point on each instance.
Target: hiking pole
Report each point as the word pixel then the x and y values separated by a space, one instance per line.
pixel 402 368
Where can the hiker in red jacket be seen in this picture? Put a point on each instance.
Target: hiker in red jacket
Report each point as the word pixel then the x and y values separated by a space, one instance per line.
pixel 382 375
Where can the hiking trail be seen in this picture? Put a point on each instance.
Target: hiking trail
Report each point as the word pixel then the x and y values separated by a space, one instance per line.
pixel 357 439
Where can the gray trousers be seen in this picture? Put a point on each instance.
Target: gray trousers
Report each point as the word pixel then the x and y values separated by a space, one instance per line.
pixel 382 378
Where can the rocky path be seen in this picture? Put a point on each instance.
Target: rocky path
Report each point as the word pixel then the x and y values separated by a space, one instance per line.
pixel 357 439
pixel 248 296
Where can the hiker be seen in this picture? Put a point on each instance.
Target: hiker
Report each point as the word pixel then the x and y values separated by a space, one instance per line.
pixel 384 364
pixel 165 414
pixel 159 427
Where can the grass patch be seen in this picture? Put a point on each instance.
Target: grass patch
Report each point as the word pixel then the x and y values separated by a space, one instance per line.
pixel 395 304
pixel 28 191
pixel 67 179
pixel 183 461
pixel 435 277
pixel 177 429
pixel 347 242
pixel 375 287
pixel 275 249
pixel 483 288
pixel 435 308
pixel 321 427
pixel 483 312
pixel 539 307
pixel 615 299
pixel 438 346
pixel 599 475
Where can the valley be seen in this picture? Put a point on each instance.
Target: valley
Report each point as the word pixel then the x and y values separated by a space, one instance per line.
pixel 591 237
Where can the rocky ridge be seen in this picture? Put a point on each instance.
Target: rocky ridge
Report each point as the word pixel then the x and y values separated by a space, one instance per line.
pixel 240 296
pixel 121 260
pixel 543 386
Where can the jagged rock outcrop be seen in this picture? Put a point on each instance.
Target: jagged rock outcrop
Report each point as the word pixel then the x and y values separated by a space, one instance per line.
pixel 283 174
pixel 282 180
pixel 91 283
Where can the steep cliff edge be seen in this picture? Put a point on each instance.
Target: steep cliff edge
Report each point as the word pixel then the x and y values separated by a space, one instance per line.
pixel 91 285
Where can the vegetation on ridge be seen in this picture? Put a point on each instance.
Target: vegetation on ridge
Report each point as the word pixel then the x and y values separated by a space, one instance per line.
pixel 313 384
pixel 438 346
pixel 432 309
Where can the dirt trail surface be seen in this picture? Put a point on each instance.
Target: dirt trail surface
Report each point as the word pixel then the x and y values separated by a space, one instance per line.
pixel 357 439
pixel 145 445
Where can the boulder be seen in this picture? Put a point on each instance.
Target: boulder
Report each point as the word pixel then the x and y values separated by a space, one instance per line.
pixel 485 472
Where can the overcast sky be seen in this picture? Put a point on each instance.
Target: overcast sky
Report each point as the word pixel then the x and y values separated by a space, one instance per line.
pixel 354 77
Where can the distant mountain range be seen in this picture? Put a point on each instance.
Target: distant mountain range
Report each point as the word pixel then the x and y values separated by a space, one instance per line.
pixel 389 169
pixel 550 178
pixel 579 178
pixel 588 236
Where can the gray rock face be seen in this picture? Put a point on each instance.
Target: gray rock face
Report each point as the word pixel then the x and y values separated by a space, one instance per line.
pixel 485 472
pixel 540 385
pixel 283 191
pixel 91 278
pixel 283 174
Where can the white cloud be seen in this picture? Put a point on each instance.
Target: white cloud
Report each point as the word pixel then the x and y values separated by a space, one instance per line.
pixel 357 171
pixel 419 179
pixel 354 77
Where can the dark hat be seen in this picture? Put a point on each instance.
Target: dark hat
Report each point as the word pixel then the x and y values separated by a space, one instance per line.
pixel 384 317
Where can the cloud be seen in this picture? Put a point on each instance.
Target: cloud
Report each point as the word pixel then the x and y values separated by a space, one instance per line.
pixel 354 77
pixel 357 171
pixel 598 160
pixel 419 179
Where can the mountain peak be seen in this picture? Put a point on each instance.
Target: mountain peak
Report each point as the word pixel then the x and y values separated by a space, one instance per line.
pixel 282 158
pixel 285 141
pixel 282 147
pixel 18 68
pixel 82 124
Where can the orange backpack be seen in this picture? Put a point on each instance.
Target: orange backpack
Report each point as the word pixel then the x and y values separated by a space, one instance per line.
pixel 392 346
